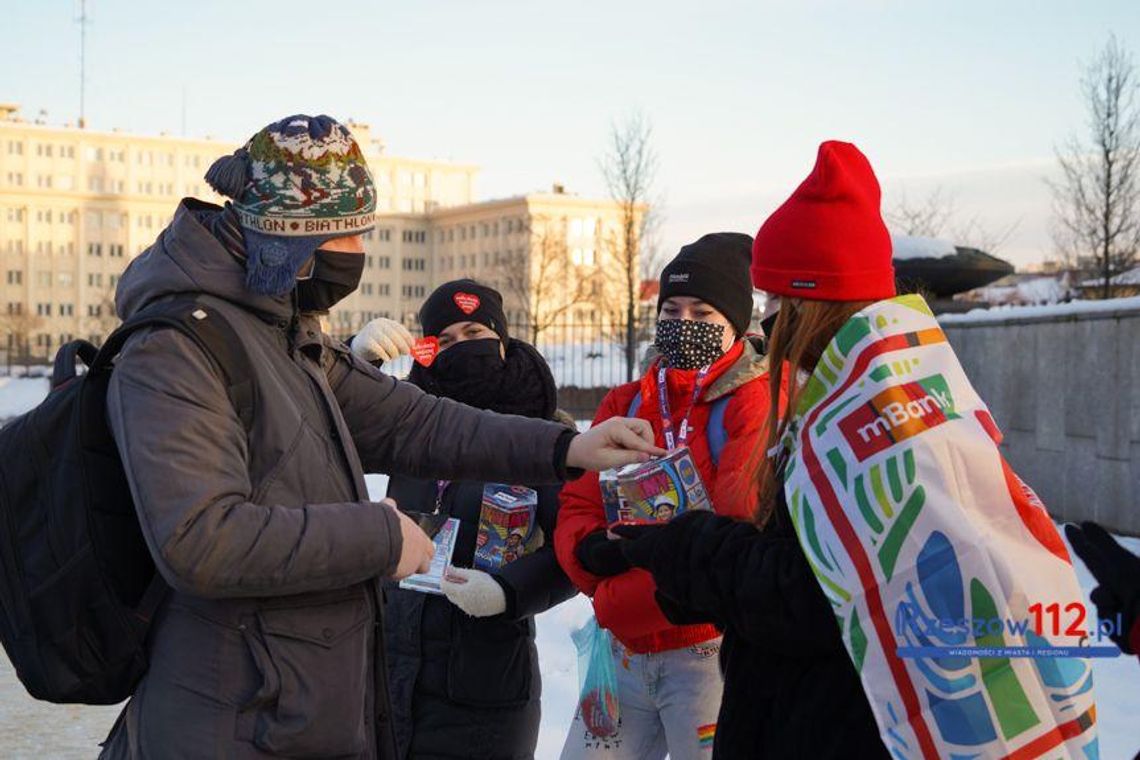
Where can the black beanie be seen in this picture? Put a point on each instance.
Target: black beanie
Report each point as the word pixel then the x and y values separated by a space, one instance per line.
pixel 463 301
pixel 714 269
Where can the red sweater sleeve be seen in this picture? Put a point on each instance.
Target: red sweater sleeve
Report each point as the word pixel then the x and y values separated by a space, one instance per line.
pixel 580 512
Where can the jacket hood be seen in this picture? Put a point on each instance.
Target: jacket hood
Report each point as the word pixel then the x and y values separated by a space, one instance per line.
pixel 751 365
pixel 187 258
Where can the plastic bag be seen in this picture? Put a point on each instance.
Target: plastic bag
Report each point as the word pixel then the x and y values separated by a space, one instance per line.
pixel 597 679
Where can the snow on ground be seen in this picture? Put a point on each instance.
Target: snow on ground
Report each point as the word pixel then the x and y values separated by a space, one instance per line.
pixel 1002 313
pixel 19 394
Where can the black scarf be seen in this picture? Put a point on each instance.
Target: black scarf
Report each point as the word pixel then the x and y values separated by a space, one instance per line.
pixel 520 384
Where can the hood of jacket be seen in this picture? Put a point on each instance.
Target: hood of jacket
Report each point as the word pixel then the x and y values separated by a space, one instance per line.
pixel 750 365
pixel 187 258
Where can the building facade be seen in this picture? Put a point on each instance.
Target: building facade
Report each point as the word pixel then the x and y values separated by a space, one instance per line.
pixel 76 205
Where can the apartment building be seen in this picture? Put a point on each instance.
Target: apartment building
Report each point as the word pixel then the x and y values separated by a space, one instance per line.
pixel 77 204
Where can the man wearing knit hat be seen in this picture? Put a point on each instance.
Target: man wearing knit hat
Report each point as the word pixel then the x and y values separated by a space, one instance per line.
pixel 248 481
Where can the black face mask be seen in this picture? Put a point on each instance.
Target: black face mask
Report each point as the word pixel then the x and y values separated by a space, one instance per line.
pixel 470 372
pixel 334 276
pixel 688 344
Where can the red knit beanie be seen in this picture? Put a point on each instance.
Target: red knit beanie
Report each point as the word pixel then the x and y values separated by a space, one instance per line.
pixel 828 241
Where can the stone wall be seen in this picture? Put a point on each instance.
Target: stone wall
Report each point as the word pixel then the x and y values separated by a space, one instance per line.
pixel 1065 390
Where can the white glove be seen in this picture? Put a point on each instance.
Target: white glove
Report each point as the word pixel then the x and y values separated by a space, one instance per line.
pixel 474 592
pixel 382 340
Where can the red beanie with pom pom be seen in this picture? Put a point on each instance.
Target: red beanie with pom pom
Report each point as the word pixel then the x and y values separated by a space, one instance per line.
pixel 828 241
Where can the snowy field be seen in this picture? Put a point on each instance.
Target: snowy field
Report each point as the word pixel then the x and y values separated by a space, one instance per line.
pixel 30 729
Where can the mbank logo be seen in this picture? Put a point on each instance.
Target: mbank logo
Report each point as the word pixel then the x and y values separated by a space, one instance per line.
pixel 898 413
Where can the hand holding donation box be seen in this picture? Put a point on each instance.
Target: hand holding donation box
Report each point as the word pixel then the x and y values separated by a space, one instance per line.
pixel 444 541
pixel 655 491
pixel 507 528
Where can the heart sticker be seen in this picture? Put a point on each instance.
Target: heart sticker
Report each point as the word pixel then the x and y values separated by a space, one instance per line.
pixel 467 302
pixel 424 350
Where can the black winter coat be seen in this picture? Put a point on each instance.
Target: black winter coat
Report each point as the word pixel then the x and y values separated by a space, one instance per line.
pixel 464 687
pixel 790 688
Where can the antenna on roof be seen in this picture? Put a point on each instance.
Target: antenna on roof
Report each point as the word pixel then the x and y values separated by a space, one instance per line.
pixel 83 21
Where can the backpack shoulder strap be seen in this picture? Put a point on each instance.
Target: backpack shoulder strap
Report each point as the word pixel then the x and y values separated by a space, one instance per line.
pixel 204 324
pixel 634 404
pixel 715 432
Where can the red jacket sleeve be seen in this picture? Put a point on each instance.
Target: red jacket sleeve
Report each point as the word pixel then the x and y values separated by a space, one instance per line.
pixel 580 512
pixel 745 421
pixel 637 612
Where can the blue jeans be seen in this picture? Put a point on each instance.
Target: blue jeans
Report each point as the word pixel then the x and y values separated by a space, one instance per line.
pixel 669 703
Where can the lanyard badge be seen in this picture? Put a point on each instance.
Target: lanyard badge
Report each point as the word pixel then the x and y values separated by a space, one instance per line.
pixel 674 440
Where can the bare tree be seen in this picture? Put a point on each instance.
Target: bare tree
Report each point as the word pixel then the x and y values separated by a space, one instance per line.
pixel 1097 200
pixel 936 215
pixel 20 327
pixel 927 218
pixel 544 282
pixel 629 166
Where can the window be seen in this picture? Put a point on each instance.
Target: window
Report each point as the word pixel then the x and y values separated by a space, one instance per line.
pixel 366 288
pixel 384 262
pixel 15 148
pixel 43 310
pixel 15 308
pixel 94 249
pixel 65 279
pixel 15 277
pixel 43 180
pixel 94 310
pixel 369 262
pixel 451 235
pixel 67 310
pixel 115 250
pixel 15 178
pixel 15 215
pixel 95 279
pixel 384 234
pixel 384 289
pixel 92 153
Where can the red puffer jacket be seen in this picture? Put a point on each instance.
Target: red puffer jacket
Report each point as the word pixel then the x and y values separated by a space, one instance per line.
pixel 624 603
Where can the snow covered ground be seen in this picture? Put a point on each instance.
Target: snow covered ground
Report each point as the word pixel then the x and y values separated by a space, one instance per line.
pixel 19 394
pixel 30 729
pixel 1002 313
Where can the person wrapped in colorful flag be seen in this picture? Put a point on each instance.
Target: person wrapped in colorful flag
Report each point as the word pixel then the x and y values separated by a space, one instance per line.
pixel 865 608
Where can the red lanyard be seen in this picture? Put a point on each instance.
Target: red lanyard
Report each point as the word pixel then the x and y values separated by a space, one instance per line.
pixel 671 441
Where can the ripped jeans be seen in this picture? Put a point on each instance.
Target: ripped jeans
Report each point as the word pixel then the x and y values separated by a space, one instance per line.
pixel 669 704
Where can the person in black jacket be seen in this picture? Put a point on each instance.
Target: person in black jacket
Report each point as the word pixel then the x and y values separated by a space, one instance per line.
pixel 463 667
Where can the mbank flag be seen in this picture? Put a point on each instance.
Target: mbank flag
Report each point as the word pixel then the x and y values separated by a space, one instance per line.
pixel 910 517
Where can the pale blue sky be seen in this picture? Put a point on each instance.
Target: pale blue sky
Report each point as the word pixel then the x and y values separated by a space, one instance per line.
pixel 968 95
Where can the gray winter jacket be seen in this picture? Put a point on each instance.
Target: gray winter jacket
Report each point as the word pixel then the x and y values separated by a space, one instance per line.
pixel 269 644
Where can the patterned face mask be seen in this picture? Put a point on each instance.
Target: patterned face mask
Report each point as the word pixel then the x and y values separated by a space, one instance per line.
pixel 687 344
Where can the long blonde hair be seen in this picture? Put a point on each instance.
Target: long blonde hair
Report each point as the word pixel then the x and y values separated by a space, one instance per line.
pixel 801 334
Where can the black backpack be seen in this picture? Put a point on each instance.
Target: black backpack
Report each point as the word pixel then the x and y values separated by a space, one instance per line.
pixel 78 587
